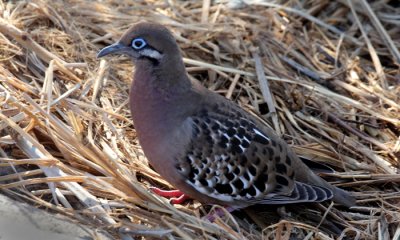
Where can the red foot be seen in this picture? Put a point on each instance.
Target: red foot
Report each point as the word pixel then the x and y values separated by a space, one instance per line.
pixel 179 200
pixel 176 196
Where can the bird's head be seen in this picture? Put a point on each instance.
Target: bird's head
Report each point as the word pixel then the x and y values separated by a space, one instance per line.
pixel 145 40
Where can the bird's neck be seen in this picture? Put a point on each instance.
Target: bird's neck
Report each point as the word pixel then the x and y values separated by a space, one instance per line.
pixel 154 92
pixel 169 77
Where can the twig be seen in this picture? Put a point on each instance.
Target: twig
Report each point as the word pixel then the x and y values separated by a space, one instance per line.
pixel 26 41
pixel 372 52
pixel 265 90
pixel 382 31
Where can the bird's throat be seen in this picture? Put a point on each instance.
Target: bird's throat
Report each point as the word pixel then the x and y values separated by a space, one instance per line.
pixel 165 80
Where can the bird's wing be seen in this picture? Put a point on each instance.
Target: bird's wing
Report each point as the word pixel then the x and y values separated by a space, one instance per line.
pixel 230 159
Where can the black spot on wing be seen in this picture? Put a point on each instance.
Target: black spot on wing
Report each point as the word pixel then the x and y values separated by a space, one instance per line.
pixel 281 168
pixel 245 143
pixel 209 140
pixel 203 126
pixel 229 124
pixel 224 139
pixel 252 170
pixel 252 191
pixel 215 126
pixel 246 176
pixel 241 132
pixel 224 188
pixel 288 161
pixel 231 132
pixel 243 160
pixel 203 182
pixel 270 151
pixel 230 176
pixel 191 176
pixel 235 141
pixel 265 169
pixel 238 184
pixel 236 149
pixel 282 180
pixel 261 181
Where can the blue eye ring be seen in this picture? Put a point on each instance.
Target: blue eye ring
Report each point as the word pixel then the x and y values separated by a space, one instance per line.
pixel 138 43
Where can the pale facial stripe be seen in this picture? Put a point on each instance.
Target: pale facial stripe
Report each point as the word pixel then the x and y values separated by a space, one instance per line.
pixel 151 53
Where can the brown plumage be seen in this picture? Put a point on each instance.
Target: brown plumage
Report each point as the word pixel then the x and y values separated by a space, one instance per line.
pixel 203 144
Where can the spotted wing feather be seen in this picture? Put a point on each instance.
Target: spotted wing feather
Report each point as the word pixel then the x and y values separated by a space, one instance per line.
pixel 230 159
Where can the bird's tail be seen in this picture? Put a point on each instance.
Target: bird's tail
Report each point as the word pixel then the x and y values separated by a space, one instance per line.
pixel 339 195
pixel 306 175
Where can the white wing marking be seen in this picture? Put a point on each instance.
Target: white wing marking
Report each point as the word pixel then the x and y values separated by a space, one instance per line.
pixel 260 134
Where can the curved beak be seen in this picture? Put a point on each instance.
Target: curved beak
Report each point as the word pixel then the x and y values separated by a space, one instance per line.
pixel 114 48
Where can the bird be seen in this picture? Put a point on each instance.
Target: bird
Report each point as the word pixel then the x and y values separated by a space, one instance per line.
pixel 203 144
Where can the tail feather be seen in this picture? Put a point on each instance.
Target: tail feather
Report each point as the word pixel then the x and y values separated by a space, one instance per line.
pixel 339 195
pixel 343 197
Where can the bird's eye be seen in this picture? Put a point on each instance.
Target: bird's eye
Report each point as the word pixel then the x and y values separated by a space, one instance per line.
pixel 138 43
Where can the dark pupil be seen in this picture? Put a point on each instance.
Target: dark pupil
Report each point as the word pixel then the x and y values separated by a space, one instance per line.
pixel 138 43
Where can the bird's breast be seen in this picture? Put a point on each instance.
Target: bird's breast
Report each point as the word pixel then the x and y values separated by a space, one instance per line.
pixel 149 113
pixel 158 128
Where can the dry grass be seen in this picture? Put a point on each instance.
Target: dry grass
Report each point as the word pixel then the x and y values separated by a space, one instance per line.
pixel 328 71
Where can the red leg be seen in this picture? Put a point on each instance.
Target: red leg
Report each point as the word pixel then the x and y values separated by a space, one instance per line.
pixel 166 193
pixel 177 197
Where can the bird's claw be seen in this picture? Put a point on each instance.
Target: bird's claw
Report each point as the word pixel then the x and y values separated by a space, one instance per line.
pixel 176 196
pixel 179 200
